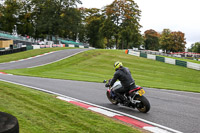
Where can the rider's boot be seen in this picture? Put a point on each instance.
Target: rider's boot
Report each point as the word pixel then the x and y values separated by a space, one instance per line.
pixel 127 103
pixel 119 98
pixel 124 100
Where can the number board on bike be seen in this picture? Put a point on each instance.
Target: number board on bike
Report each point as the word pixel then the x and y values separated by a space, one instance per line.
pixel 141 92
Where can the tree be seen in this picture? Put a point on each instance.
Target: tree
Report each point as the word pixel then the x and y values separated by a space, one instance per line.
pixel 165 39
pixel 195 47
pixel 9 15
pixel 46 18
pixel 107 30
pixel 151 39
pixel 71 20
pixel 177 42
pixel 93 22
pixel 51 18
pixel 172 41
pixel 125 16
pixel 25 22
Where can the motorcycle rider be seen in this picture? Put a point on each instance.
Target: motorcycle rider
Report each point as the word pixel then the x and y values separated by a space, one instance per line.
pixel 122 74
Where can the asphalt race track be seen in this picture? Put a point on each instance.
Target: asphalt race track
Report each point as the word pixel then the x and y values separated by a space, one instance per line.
pixel 173 109
pixel 38 61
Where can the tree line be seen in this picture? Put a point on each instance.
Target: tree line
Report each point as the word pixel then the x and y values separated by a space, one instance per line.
pixel 41 18
pixel 168 41
pixel 195 47
pixel 115 25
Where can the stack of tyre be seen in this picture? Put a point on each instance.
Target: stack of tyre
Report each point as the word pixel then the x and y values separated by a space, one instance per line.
pixel 8 123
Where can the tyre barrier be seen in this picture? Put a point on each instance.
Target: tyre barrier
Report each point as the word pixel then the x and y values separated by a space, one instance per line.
pixel 8 123
pixel 5 52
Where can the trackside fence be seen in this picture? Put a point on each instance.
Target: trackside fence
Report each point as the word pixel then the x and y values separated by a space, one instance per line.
pixel 166 60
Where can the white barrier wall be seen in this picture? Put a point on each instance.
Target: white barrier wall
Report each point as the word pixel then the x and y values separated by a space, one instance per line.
pixel 81 46
pixel 134 53
pixel 149 56
pixel 57 45
pixel 193 65
pixel 170 61
pixel 36 46
pixel 71 45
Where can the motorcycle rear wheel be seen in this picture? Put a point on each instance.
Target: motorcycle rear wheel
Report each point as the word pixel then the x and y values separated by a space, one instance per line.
pixel 115 102
pixel 144 105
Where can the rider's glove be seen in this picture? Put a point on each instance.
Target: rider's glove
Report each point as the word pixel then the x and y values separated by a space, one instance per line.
pixel 107 85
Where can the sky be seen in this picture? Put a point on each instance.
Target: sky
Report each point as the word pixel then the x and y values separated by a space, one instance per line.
pixel 176 15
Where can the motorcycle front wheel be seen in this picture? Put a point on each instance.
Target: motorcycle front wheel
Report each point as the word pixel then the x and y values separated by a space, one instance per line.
pixel 144 105
pixel 115 102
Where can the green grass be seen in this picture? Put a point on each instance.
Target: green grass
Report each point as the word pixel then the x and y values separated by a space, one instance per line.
pixel 38 112
pixel 97 65
pixel 27 54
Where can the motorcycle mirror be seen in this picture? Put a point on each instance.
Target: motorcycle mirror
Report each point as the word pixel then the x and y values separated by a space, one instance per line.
pixel 104 81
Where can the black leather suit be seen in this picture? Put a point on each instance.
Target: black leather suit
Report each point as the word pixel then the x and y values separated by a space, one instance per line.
pixel 124 76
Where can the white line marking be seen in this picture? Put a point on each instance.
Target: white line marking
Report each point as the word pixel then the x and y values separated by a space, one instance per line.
pixel 155 130
pixel 102 111
pixel 114 111
pixel 64 99
pixel 30 57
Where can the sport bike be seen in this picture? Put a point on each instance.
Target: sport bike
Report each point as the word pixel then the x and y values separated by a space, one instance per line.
pixel 134 98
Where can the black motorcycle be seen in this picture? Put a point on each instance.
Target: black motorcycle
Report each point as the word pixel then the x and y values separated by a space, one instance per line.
pixel 134 98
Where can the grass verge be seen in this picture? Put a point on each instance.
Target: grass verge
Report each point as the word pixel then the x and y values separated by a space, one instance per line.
pixel 97 65
pixel 38 112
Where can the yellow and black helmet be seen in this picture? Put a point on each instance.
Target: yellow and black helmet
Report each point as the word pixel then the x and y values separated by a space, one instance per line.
pixel 117 65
